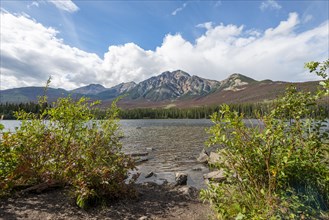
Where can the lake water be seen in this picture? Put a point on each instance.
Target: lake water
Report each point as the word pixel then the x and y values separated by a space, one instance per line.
pixel 172 146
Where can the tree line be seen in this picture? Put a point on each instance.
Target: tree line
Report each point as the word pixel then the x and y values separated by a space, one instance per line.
pixel 250 110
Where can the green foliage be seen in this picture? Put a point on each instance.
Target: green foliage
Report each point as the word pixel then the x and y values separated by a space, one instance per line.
pixel 65 144
pixel 248 109
pixel 279 167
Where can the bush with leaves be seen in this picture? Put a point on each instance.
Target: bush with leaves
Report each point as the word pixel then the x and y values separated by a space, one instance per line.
pixel 277 168
pixel 66 145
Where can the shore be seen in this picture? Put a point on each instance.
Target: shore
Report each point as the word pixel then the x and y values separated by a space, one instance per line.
pixel 152 202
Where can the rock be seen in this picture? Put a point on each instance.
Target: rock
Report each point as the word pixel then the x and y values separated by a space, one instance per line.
pixel 217 176
pixel 149 148
pixel 163 181
pixel 141 159
pixel 203 157
pixel 197 168
pixel 138 154
pixel 138 127
pixel 143 218
pixel 149 174
pixel 135 176
pixel 189 191
pixel 213 148
pixel 180 179
pixel 213 158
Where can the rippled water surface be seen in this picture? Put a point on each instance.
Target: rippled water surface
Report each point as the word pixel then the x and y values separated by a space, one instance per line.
pixel 172 146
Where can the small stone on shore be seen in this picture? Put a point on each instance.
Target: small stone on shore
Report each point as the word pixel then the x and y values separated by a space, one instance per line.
pixel 180 179
pixel 150 174
pixel 217 176
pixel 203 157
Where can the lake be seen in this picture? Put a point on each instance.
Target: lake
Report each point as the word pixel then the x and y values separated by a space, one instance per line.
pixel 172 145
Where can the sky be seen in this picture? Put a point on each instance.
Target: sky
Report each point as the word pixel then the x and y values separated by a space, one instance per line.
pixel 79 42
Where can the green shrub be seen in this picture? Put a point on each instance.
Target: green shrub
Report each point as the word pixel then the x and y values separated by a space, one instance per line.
pixel 66 145
pixel 278 168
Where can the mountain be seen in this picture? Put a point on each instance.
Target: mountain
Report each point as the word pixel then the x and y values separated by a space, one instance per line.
pixel 30 94
pixel 235 81
pixel 172 85
pixel 169 89
pixel 116 91
pixel 91 89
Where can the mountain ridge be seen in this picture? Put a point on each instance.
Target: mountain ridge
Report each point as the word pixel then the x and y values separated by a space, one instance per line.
pixel 176 89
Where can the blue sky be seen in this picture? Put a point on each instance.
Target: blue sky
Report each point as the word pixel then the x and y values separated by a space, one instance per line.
pixel 108 42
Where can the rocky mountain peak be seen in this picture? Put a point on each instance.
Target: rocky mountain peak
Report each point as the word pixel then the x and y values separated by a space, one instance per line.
pixel 90 89
pixel 174 75
pixel 234 81
pixel 124 87
pixel 172 85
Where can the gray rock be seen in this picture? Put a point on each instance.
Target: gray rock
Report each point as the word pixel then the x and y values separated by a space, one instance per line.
pixel 180 179
pixel 142 159
pixel 198 168
pixel 149 174
pixel 138 154
pixel 213 158
pixel 203 157
pixel 188 191
pixel 217 176
pixel 213 148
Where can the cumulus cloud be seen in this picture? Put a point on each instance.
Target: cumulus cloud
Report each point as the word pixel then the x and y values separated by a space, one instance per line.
pixel 270 4
pixel 65 5
pixel 177 10
pixel 30 52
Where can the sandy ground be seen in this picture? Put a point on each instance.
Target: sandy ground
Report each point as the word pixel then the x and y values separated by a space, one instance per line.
pixel 153 202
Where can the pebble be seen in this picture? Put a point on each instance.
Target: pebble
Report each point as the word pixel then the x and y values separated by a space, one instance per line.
pixel 180 179
pixel 149 174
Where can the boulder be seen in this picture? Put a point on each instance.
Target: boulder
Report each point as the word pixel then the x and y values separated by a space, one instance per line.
pixel 189 191
pixel 180 179
pixel 213 158
pixel 203 157
pixel 217 176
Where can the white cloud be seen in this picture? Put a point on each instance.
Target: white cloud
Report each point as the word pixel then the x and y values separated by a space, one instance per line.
pixel 65 5
pixel 178 9
pixel 270 4
pixel 31 52
pixel 285 27
pixel 33 4
pixel 207 25
pixel 307 18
